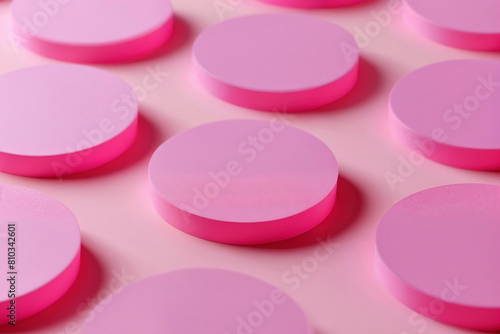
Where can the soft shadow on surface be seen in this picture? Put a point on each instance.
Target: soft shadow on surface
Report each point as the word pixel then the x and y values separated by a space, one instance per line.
pixel 146 142
pixel 348 206
pixel 366 87
pixel 77 298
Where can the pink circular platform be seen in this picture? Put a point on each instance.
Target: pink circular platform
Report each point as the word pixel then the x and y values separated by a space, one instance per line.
pixel 92 30
pixel 312 3
pixel 201 301
pixel 449 112
pixel 244 181
pixel 466 24
pixel 284 62
pixel 437 252
pixel 46 239
pixel 57 120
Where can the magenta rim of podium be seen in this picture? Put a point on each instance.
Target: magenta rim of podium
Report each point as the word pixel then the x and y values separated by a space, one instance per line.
pixel 465 24
pixel 91 31
pixel 312 3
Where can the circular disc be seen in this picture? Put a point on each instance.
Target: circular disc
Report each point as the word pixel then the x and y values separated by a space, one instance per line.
pixel 438 254
pixel 449 112
pixel 63 119
pixel 312 3
pixel 244 181
pixel 276 61
pixel 201 301
pixel 466 24
pixel 92 30
pixel 46 257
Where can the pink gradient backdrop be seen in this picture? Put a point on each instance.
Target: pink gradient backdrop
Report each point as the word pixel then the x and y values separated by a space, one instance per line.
pixel 122 232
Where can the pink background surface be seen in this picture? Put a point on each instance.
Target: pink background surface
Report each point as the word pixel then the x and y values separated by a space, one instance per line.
pixel 122 233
